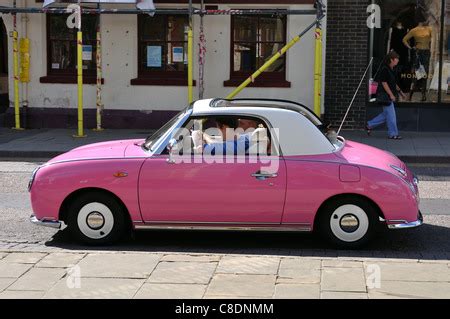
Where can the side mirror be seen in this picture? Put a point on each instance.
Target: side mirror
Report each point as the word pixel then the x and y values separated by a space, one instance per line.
pixel 170 147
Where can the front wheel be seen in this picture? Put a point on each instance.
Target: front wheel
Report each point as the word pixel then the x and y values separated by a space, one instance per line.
pixel 96 219
pixel 348 222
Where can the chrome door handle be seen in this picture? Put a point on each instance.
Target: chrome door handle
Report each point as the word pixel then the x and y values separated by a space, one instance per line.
pixel 263 175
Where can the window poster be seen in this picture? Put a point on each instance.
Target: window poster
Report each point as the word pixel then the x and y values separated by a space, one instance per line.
pixel 87 52
pixel 154 56
pixel 177 54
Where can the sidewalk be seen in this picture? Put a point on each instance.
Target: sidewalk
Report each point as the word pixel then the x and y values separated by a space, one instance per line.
pixel 416 147
pixel 196 276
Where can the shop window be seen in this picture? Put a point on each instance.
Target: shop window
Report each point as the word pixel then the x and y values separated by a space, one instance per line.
pixel 162 50
pixel 413 29
pixel 62 49
pixel 254 40
pixel 445 76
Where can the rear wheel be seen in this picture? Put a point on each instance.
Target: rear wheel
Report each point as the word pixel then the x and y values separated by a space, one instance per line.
pixel 96 219
pixel 348 222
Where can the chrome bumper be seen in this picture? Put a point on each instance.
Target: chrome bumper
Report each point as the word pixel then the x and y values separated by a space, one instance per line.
pixel 403 224
pixel 47 223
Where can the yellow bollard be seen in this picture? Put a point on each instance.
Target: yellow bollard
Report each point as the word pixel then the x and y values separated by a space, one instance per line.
pixel 80 83
pixel 16 80
pixel 190 66
pixel 318 73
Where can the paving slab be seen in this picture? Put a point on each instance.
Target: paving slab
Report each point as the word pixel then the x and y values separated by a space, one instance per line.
pixel 60 260
pixel 41 279
pixel 5 283
pixel 13 270
pixel 297 291
pixel 432 272
pixel 343 295
pixel 96 288
pixel 118 265
pixel 22 294
pixel 183 272
pixel 24 258
pixel 249 265
pixel 171 291
pixel 195 258
pixel 299 270
pixel 343 279
pixel 231 285
pixel 2 255
pixel 404 289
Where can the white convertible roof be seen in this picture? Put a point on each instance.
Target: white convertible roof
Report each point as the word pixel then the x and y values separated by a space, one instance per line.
pixel 218 103
pixel 295 125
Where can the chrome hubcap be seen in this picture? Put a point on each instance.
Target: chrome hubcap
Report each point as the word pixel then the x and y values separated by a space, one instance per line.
pixel 95 220
pixel 349 223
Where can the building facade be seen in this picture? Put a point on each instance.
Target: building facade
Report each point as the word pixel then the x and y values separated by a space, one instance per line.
pixel 423 26
pixel 144 64
pixel 145 72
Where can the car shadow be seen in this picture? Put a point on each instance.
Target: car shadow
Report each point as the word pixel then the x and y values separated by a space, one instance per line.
pixel 429 242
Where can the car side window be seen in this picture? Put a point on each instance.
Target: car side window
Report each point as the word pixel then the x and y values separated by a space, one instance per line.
pixel 213 135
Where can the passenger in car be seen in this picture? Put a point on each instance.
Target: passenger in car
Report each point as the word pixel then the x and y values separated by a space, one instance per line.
pixel 232 142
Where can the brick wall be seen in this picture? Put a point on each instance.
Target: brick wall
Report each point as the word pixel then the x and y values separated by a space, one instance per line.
pixel 346 61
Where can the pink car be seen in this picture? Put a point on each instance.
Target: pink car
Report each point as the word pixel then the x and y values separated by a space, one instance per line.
pixel 248 164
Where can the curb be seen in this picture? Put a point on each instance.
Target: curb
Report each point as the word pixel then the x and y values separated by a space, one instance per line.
pixel 425 159
pixel 29 154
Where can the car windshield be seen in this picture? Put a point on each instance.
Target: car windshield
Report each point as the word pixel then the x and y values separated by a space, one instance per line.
pixel 152 139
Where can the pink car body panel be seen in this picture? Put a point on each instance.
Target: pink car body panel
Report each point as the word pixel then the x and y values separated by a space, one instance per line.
pixel 223 193
pixel 214 193
pixel 73 171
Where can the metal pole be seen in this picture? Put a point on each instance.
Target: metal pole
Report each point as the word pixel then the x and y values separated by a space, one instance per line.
pixel 190 57
pixel 16 72
pixel 354 96
pixel 99 75
pixel 318 63
pixel 80 78
pixel 275 57
pixel 201 56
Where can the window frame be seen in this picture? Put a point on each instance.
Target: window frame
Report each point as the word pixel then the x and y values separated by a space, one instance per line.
pixel 68 76
pixel 266 79
pixel 147 77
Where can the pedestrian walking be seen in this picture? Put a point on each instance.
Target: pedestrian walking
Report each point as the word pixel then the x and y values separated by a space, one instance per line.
pixel 387 94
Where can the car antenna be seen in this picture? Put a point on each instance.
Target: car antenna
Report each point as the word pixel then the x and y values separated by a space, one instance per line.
pixel 354 96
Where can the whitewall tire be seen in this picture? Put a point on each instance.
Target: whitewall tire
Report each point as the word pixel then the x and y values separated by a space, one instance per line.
pixel 96 218
pixel 348 222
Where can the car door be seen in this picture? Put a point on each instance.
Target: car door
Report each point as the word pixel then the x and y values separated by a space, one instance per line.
pixel 241 193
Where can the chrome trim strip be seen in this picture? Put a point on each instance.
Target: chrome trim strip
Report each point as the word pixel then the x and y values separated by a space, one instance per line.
pixel 185 222
pixel 185 225
pixel 227 228
pixel 94 159
pixel 45 222
pixel 405 225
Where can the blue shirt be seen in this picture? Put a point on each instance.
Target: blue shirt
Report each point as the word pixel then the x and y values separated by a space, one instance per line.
pixel 239 146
